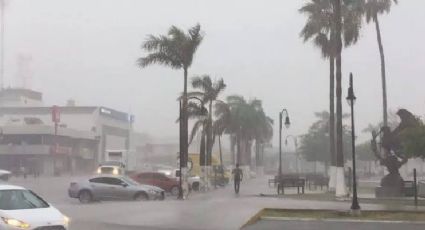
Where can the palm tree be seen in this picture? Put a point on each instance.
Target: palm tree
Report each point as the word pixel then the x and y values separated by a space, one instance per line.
pixel 175 50
pixel 321 28
pixel 247 122
pixel 198 111
pixel 263 135
pixel 222 125
pixel 209 91
pixel 372 9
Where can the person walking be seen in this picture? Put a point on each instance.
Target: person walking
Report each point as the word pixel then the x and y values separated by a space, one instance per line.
pixel 237 177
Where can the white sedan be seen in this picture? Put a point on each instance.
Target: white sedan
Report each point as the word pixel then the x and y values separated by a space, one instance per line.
pixel 4 175
pixel 22 209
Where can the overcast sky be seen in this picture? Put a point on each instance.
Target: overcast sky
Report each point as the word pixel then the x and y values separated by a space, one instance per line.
pixel 86 50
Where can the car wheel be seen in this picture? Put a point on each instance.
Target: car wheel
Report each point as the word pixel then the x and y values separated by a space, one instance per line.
pixel 141 196
pixel 85 197
pixel 195 186
pixel 175 191
pixel 162 196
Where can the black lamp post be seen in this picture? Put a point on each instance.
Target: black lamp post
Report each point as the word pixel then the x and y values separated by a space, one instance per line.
pixel 287 124
pixel 351 99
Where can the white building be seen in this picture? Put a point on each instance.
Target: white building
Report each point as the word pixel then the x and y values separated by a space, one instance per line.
pixel 83 132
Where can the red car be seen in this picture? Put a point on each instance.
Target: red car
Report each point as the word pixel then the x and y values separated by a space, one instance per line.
pixel 158 179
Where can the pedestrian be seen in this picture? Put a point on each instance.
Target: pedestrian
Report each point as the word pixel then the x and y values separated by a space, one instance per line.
pixel 237 177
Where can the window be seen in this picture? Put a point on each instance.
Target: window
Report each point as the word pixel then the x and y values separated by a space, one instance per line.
pixel 20 199
pixel 101 180
pixel 113 181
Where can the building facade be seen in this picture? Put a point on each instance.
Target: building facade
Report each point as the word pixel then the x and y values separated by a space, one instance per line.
pixel 77 141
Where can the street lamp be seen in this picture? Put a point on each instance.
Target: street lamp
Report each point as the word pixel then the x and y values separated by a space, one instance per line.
pixel 296 148
pixel 287 124
pixel 351 99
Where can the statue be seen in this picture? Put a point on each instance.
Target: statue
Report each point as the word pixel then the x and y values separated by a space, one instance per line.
pixel 391 155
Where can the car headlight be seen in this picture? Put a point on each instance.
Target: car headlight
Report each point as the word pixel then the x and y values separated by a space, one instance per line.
pixel 99 171
pixel 66 220
pixel 115 172
pixel 15 223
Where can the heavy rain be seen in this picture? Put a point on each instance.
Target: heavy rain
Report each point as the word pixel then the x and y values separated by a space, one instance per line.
pixel 200 114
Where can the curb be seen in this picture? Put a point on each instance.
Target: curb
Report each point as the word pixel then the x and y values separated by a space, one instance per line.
pixel 341 220
pixel 254 218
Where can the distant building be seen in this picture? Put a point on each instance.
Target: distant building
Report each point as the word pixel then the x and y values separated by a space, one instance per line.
pixel 84 134
pixel 15 97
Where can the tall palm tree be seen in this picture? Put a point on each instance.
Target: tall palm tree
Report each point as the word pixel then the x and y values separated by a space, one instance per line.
pixel 340 189
pixel 209 91
pixel 175 50
pixel 222 125
pixel 321 29
pixel 263 135
pixel 247 122
pixel 198 112
pixel 373 8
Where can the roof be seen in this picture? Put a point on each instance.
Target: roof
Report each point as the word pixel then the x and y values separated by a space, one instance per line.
pixel 10 187
pixel 14 92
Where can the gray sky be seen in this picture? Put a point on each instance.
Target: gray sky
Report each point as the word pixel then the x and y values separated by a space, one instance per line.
pixel 86 50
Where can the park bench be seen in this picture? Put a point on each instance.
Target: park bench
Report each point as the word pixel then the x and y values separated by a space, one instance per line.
pixel 317 180
pixel 290 182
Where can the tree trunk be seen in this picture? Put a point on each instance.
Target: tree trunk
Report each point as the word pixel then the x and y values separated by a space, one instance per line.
pixel 383 73
pixel 340 179
pixel 238 148
pixel 202 152
pixel 184 134
pixel 221 152
pixel 233 147
pixel 257 154
pixel 332 173
pixel 209 136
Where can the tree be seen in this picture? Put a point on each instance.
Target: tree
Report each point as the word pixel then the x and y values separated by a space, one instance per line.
pixel 175 50
pixel 209 92
pixel 321 29
pixel 372 9
pixel 315 145
pixel 246 122
pixel 198 111
pixel 221 125
pixel 364 153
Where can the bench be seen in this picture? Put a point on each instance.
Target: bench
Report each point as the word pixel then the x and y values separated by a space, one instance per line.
pixel 288 182
pixel 317 180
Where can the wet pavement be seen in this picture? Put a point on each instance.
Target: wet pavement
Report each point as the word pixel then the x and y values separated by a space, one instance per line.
pixel 216 209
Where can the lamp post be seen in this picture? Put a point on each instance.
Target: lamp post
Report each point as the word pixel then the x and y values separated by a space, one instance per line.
pixel 296 149
pixel 351 99
pixel 287 124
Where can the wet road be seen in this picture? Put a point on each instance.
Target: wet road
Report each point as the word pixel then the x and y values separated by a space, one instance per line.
pixel 217 209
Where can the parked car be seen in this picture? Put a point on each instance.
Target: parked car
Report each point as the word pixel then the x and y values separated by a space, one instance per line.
pixel 111 167
pixel 110 187
pixel 194 181
pixel 158 179
pixel 5 175
pixel 23 209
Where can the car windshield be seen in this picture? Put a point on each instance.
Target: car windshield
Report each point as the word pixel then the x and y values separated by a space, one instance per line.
pixel 20 199
pixel 130 181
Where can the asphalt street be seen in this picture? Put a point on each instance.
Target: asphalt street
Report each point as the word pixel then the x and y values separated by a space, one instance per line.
pixel 216 209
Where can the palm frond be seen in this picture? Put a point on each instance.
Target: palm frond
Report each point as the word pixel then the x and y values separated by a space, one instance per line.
pixel 159 58
pixel 196 127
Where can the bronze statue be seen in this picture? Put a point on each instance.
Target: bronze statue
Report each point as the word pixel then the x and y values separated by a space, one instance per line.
pixel 391 155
